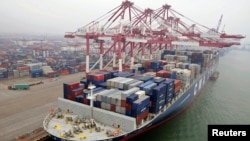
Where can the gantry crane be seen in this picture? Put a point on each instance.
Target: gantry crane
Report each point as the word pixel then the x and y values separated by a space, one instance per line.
pixel 128 28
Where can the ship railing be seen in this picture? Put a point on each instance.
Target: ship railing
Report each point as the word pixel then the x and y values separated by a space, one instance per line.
pixel 49 117
pixel 46 121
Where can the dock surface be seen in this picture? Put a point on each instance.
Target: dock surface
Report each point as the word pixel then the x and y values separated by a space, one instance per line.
pixel 23 111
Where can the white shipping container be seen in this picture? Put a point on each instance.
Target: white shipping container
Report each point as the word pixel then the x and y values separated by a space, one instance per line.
pixel 16 73
pixel 150 74
pixel 118 109
pixel 116 100
pixel 134 84
pixel 24 73
pixel 126 93
pixel 121 83
pixel 108 106
pixel 140 93
pixel 123 110
pixel 99 95
pixel 169 67
pixel 103 105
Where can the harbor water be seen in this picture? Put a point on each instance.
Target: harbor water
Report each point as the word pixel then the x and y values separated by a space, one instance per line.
pixel 224 101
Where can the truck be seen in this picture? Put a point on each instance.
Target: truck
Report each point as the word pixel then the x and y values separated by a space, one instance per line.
pixel 19 87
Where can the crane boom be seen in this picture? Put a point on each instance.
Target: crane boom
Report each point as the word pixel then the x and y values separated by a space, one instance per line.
pixel 219 23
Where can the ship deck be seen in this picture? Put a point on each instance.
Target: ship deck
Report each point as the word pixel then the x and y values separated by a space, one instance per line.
pixel 69 126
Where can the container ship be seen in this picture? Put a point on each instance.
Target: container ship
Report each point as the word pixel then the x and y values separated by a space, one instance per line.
pixel 111 105
pixel 170 62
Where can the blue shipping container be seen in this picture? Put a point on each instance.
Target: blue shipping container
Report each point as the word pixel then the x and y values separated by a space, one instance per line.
pixel 2 75
pixel 97 104
pixel 36 71
pixel 169 98
pixel 79 98
pixel 140 110
pixel 123 74
pixel 169 82
pixel 77 89
pixel 157 107
pixel 139 103
pixel 159 80
pixel 131 98
pixel 158 92
pixel 128 113
pixel 157 103
pixel 107 75
pixel 103 85
pixel 141 86
pixel 148 89
pixel 145 78
pixel 85 82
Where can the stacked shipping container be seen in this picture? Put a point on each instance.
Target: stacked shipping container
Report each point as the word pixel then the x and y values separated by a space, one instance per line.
pixel 138 95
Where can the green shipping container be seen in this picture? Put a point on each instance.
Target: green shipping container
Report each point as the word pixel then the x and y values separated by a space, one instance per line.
pixel 21 86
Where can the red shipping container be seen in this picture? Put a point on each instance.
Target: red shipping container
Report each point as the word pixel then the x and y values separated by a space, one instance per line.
pixel 142 116
pixel 99 77
pixel 177 89
pixel 112 107
pixel 71 97
pixel 24 68
pixel 162 63
pixel 86 101
pixel 177 85
pixel 123 103
pixel 73 85
pixel 167 74
pixel 89 74
pixel 128 107
pixel 52 74
pixel 64 72
pixel 160 73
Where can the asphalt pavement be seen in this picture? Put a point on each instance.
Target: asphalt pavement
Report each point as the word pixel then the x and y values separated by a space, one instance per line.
pixel 23 111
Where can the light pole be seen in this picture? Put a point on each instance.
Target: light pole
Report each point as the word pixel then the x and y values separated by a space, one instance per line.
pixel 91 98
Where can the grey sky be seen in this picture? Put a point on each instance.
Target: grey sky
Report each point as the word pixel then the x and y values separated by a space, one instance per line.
pixel 60 16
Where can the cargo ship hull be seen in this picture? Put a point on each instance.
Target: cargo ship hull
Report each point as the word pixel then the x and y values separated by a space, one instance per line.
pixel 176 108
pixel 179 104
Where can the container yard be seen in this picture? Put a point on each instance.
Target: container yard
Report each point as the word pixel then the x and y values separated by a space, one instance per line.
pixel 30 83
